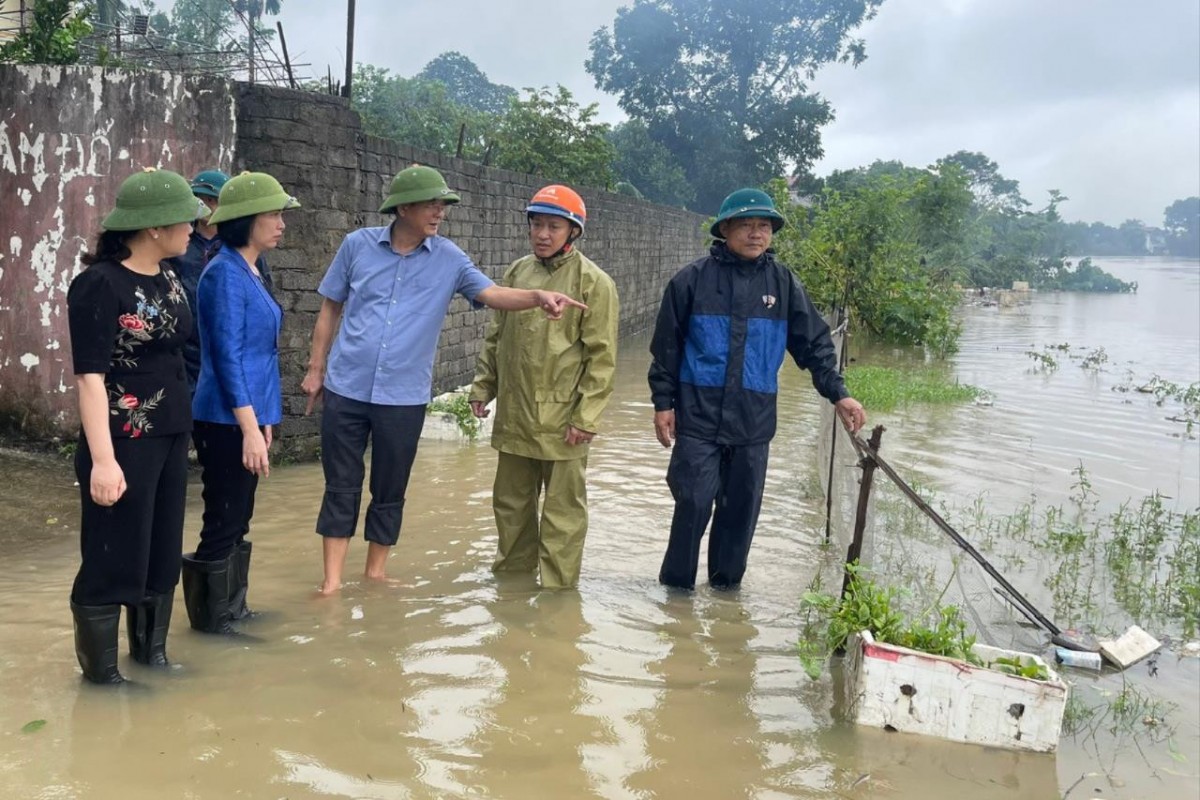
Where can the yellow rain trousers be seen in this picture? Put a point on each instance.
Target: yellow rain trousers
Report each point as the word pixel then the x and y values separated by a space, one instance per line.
pixel 546 375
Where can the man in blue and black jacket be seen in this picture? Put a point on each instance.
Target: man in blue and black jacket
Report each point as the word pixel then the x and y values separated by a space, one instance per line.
pixel 725 324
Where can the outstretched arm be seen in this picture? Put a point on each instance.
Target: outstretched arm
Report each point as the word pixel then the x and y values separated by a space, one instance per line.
pixel 503 298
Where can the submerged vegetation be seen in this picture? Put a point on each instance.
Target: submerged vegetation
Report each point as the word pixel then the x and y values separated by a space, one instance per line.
pixel 1144 557
pixel 1182 400
pixel 889 388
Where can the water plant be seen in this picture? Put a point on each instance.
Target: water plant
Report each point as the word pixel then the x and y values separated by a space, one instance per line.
pixel 1043 360
pixel 867 605
pixel 887 388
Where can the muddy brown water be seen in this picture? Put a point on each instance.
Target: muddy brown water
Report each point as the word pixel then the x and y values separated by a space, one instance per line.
pixel 446 683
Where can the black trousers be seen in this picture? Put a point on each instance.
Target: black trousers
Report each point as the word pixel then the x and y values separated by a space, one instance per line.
pixel 394 432
pixel 700 474
pixel 133 547
pixel 228 489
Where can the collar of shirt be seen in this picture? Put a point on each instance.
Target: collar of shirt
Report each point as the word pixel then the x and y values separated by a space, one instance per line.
pixel 385 239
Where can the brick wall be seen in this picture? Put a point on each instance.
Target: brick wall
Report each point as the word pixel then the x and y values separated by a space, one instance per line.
pixel 76 132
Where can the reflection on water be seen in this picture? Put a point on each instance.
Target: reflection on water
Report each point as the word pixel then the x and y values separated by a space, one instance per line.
pixel 447 683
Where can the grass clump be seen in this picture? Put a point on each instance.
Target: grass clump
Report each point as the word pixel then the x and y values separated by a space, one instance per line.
pixel 887 388
pixel 458 407
pixel 866 605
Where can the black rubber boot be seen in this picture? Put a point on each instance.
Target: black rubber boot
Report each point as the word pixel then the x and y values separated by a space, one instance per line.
pixel 96 635
pixel 147 625
pixel 207 586
pixel 241 583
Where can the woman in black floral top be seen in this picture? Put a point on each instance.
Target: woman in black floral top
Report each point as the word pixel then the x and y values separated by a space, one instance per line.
pixel 129 320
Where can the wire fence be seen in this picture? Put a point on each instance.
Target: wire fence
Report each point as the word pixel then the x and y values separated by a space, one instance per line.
pixel 130 39
pixel 902 544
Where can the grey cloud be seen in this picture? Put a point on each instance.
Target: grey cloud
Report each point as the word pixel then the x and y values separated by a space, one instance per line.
pixel 1099 99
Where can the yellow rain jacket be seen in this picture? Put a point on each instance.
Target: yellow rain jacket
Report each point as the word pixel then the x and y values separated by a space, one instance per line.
pixel 547 374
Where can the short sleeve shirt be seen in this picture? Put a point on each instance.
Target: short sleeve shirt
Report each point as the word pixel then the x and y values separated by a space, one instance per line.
pixel 131 329
pixel 394 306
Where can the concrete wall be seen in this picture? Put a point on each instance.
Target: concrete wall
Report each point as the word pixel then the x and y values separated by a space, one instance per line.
pixel 68 137
pixel 73 134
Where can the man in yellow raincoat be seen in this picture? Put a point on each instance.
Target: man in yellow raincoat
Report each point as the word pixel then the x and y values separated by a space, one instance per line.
pixel 551 382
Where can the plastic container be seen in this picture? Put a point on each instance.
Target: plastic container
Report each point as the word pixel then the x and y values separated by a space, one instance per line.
pixel 905 690
pixel 1078 658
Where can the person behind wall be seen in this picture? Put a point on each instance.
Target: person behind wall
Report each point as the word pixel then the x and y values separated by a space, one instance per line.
pixel 128 322
pixel 238 399
pixel 551 382
pixel 203 244
pixel 725 324
pixel 391 288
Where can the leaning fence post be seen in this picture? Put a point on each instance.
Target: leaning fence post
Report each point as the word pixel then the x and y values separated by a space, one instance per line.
pixel 864 498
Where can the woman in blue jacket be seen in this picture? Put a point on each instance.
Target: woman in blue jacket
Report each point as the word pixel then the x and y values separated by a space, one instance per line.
pixel 237 398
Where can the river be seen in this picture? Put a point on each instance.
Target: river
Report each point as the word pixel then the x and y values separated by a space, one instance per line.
pixel 445 683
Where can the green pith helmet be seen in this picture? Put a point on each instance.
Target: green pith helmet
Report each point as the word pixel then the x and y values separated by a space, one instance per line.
pixel 251 193
pixel 209 183
pixel 416 185
pixel 748 203
pixel 153 198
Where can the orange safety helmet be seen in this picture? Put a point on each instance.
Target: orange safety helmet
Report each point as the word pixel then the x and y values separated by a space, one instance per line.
pixel 561 201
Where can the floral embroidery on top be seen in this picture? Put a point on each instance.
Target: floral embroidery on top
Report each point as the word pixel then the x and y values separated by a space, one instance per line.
pixel 149 320
pixel 136 411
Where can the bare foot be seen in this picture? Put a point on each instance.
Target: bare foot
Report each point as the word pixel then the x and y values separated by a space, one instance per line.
pixel 328 589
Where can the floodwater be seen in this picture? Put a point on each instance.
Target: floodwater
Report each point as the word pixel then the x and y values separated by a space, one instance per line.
pixel 445 683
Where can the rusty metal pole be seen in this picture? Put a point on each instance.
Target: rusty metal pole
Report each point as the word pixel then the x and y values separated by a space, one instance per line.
pixel 864 498
pixel 287 61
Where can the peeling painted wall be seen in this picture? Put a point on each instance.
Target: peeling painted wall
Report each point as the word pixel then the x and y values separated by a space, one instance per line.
pixel 68 137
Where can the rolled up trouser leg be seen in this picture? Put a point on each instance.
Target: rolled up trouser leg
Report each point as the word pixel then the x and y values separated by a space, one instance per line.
pixel 345 429
pixel 395 435
pixel 693 477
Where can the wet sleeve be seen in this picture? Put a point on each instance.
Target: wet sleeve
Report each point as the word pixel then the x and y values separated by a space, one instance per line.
pixel 221 296
pixel 599 337
pixel 93 315
pixel 336 283
pixel 811 345
pixel 486 382
pixel 666 346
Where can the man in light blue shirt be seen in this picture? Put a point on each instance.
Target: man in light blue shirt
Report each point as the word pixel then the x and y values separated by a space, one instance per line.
pixel 391 287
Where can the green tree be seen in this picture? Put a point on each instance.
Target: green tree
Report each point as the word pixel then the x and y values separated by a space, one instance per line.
pixel 207 24
pixel 993 192
pixel 417 112
pixel 53 35
pixel 863 250
pixel 551 135
pixel 648 166
pixel 1181 220
pixel 724 85
pixel 466 85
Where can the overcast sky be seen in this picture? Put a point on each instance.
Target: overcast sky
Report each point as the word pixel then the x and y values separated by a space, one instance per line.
pixel 1097 98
